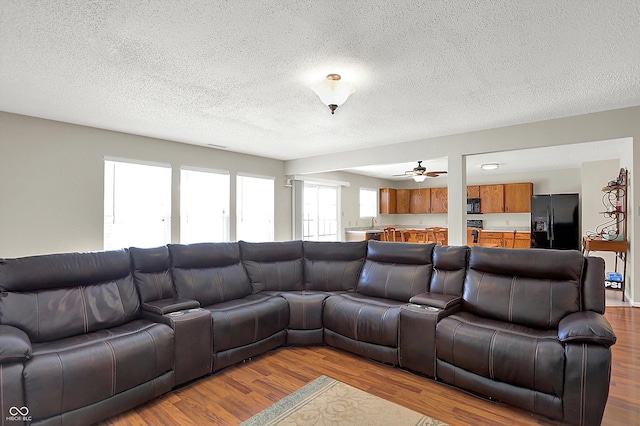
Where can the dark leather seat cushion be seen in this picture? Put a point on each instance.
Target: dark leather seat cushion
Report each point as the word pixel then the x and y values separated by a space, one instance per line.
pixel 363 318
pixel 244 321
pixel 508 353
pixel 74 372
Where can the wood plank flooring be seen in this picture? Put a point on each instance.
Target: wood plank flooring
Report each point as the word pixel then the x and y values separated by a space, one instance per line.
pixel 237 393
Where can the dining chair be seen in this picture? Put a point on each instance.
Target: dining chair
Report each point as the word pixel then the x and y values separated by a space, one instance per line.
pixel 389 234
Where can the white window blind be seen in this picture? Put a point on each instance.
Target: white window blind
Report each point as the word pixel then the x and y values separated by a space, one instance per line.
pixel 137 205
pixel 320 216
pixel 204 206
pixel 255 208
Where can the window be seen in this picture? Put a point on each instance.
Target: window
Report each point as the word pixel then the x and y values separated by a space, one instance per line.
pixel 320 214
pixel 204 206
pixel 368 202
pixel 137 205
pixel 255 208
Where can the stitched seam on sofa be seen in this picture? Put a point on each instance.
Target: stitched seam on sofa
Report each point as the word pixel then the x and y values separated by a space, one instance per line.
pixel 344 270
pixel 304 313
pixel 2 390
pixel 218 280
pixel 113 367
pixel 84 310
pixel 413 282
pixel 155 356
pixel 511 292
pixel 156 279
pixel 453 350
pixel 386 281
pixel 192 283
pixel 256 323
pixel 124 311
pixel 550 303
pixel 516 332
pixel 582 383
pixel 357 321
pixel 491 352
pixel 264 278
pixel 62 382
pixel 94 342
pixel 444 281
pixel 38 318
pixel 475 308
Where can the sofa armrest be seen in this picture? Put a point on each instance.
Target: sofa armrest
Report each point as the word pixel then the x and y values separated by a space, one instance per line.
pixel 586 327
pixel 165 306
pixel 15 345
pixel 437 300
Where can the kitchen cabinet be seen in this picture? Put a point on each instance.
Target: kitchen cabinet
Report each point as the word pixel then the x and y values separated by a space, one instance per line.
pixel 492 198
pixel 420 201
pixel 517 197
pixel 473 191
pixel 403 197
pixel 439 200
pixel 491 238
pixel 523 240
pixel 388 201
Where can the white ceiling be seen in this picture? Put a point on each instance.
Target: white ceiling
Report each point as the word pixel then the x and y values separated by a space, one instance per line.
pixel 237 74
pixel 534 160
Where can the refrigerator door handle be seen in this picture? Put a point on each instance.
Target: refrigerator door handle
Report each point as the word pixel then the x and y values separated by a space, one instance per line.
pixel 552 225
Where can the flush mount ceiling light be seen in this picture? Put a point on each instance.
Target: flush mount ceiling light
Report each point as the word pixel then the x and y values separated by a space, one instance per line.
pixel 333 91
pixel 489 166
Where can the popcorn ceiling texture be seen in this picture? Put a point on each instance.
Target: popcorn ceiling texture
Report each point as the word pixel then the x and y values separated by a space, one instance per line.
pixel 237 73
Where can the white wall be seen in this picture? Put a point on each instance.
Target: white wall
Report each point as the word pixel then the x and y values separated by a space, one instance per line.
pixel 51 197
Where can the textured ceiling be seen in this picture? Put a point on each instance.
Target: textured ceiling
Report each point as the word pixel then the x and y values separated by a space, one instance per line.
pixel 237 73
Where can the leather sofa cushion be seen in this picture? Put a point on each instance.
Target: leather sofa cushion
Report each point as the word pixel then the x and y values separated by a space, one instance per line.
pixel 212 285
pixel 305 309
pixel 63 270
pixel 331 266
pixel 508 353
pixel 273 266
pixel 534 288
pixel 363 318
pixel 64 312
pixel 78 371
pixel 248 320
pixel 396 271
pixel 449 269
pixel 152 273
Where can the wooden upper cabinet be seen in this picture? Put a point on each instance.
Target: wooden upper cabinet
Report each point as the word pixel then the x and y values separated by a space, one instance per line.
pixel 491 198
pixel 473 191
pixel 403 200
pixel 439 200
pixel 420 200
pixel 517 197
pixel 388 201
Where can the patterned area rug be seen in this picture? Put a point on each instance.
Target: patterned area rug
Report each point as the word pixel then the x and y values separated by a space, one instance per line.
pixel 326 401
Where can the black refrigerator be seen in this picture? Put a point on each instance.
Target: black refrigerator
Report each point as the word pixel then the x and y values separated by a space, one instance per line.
pixel 555 222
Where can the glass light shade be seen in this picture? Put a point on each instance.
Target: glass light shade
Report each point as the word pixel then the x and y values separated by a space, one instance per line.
pixel 419 178
pixel 333 92
pixel 489 166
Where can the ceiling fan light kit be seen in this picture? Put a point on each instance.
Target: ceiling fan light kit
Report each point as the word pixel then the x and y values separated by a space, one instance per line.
pixel 420 173
pixel 333 91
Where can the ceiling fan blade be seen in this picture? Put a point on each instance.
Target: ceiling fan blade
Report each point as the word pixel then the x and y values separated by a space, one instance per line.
pixel 435 174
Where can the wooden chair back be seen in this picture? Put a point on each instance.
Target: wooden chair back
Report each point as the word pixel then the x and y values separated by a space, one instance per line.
pixel 389 234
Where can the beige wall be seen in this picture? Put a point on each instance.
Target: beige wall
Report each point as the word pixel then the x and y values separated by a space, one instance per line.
pixel 51 197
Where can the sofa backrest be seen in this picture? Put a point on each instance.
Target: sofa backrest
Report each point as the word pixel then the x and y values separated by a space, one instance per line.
pixel 535 288
pixel 333 266
pixel 209 272
pixel 55 296
pixel 449 269
pixel 152 273
pixel 273 266
pixel 396 271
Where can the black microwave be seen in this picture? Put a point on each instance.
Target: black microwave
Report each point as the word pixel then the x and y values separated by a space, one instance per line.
pixel 473 205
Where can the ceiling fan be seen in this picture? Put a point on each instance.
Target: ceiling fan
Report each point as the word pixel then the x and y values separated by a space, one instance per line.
pixel 420 173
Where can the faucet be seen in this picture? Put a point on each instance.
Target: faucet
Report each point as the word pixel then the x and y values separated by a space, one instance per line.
pixel 373 222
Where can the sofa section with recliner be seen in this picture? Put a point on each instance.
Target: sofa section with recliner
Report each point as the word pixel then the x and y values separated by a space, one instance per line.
pixel 521 326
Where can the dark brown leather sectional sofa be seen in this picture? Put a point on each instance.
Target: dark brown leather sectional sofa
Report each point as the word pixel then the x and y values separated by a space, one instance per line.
pixel 84 336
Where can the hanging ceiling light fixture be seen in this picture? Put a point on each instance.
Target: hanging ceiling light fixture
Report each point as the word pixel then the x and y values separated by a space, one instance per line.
pixel 419 178
pixel 333 91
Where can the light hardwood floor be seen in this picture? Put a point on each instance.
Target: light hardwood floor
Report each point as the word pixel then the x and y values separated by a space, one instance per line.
pixel 237 393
